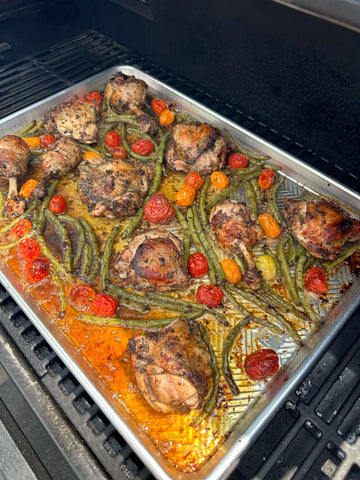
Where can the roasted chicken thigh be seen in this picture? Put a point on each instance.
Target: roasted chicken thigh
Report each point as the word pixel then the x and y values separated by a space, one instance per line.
pixel 321 226
pixel 173 367
pixel 152 261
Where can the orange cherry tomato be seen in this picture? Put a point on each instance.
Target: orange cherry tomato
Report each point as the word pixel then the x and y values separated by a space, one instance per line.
pixel 104 305
pixel 29 249
pixel 198 265
pixel 219 180
pixel 238 160
pixel 47 140
pixel 90 154
pixel 158 105
pixel 143 147
pixel 113 139
pixel 231 270
pixel 37 269
pixel 159 209
pixel 33 142
pixel 194 179
pixel 81 296
pixel 28 187
pixel 209 295
pixel 266 178
pixel 185 196
pixel 316 281
pixel 261 363
pixel 57 204
pixel 269 225
pixel 21 228
pixel 95 97
pixel 119 152
pixel 167 117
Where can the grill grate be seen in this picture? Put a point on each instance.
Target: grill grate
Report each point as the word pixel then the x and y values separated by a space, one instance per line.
pixel 315 435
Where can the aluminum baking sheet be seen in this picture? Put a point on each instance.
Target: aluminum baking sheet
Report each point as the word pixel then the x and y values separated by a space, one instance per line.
pixel 247 415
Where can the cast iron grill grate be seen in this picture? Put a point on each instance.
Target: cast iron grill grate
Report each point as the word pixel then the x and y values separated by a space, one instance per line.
pixel 315 434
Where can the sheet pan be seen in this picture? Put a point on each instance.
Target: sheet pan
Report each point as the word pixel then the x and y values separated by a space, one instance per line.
pixel 252 420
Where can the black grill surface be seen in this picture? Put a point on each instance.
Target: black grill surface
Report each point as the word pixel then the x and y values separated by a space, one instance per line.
pixel 314 435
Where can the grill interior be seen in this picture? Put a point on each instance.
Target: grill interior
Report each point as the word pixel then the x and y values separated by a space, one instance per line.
pixel 315 433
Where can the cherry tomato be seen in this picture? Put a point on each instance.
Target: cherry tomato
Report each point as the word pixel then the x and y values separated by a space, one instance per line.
pixel 23 226
pixel 261 363
pixel 143 147
pixel 194 179
pixel 238 160
pixel 46 140
pixel 119 152
pixel 232 271
pixel 29 249
pixel 37 269
pixel 113 139
pixel 95 96
pixel 209 295
pixel 185 196
pixel 158 105
pixel 167 117
pixel 269 225
pixel 57 204
pixel 219 180
pixel 28 187
pixel 159 209
pixel 104 305
pixel 33 142
pixel 198 265
pixel 316 281
pixel 81 296
pixel 266 178
pixel 90 154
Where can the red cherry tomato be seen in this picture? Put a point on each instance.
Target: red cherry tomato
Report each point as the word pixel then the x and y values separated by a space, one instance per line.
pixel 104 305
pixel 158 105
pixel 95 96
pixel 194 179
pixel 29 249
pixel 119 152
pixel 316 281
pixel 23 226
pixel 143 147
pixel 266 178
pixel 261 363
pixel 37 269
pixel 238 160
pixel 159 209
pixel 81 296
pixel 198 265
pixel 113 139
pixel 209 295
pixel 46 140
pixel 57 204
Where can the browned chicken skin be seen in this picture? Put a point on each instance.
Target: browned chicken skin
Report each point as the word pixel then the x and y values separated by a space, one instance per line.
pixel 152 261
pixel 60 158
pixel 126 94
pixel 322 227
pixel 14 159
pixel 196 147
pixel 77 120
pixel 112 187
pixel 236 230
pixel 173 367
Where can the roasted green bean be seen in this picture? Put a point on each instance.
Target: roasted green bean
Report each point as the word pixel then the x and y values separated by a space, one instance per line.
pixel 202 202
pixel 47 253
pixel 105 264
pixel 330 264
pixel 142 158
pixel 251 195
pixel 62 296
pixel 300 289
pixel 95 252
pixel 285 270
pixel 80 233
pixel 186 234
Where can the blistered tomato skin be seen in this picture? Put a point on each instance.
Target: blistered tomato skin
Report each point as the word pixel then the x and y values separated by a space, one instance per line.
pixel 159 209
pixel 194 179
pixel 316 281
pixel 158 105
pixel 238 160
pixel 21 228
pixel 46 140
pixel 95 97
pixel 143 147
pixel 37 269
pixel 81 296
pixel 113 139
pixel 209 295
pixel 104 305
pixel 266 179
pixel 198 265
pixel 261 364
pixel 57 204
pixel 29 249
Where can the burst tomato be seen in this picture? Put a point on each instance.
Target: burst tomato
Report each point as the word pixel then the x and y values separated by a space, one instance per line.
pixel 37 269
pixel 46 140
pixel 261 363
pixel 113 139
pixel 266 178
pixel 81 296
pixel 209 295
pixel 29 249
pixel 185 196
pixel 159 209
pixel 57 204
pixel 316 281
pixel 198 265
pixel 219 180
pixel 167 117
pixel 119 152
pixel 95 96
pixel 104 305
pixel 194 179
pixel 238 160
pixel 143 147
pixel 158 105
pixel 23 226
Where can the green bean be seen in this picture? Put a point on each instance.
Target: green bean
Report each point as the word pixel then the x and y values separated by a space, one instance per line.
pixel 126 118
pixel 211 403
pixel 140 306
pixel 65 239
pixel 226 351
pixel 288 281
pixel 35 152
pixel 271 198
pixel 240 262
pixel 300 289
pixel 242 172
pixel 35 129
pixel 26 129
pixel 94 249
pixel 13 222
pixel 230 298
pixel 330 264
pixel 88 148
pixel 62 296
pixel 59 267
pixel 16 242
pixel 251 195
pixel 202 202
pixel 242 149
pixel 142 158
pixel 281 303
pixel 105 264
pixel 86 261
pixel 145 136
pixel 185 117
pixel 257 190
pixel 291 253
pixel 266 324
pixel 105 104
pixel 186 234
pixel 80 233
pixel 45 203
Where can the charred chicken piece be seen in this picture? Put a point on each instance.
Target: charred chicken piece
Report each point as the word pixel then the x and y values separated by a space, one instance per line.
pixel 112 187
pixel 77 120
pixel 60 158
pixel 321 226
pixel 236 230
pixel 126 94
pixel 196 147
pixel 14 159
pixel 152 261
pixel 173 367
